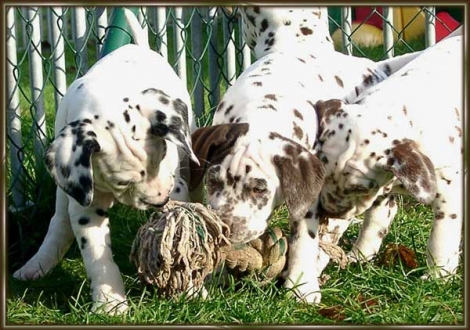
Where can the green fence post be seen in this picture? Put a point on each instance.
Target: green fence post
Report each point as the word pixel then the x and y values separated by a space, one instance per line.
pixel 117 33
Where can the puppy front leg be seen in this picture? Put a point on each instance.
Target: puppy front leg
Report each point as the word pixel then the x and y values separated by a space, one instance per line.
pixel 91 228
pixel 376 224
pixel 301 274
pixel 58 239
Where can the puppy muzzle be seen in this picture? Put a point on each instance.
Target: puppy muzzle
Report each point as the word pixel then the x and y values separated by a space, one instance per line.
pixel 154 205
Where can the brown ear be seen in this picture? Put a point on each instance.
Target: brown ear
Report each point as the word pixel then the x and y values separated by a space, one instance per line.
pixel 414 169
pixel 210 145
pixel 302 175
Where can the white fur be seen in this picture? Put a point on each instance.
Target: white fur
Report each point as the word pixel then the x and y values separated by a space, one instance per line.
pixel 296 71
pixel 128 163
pixel 421 105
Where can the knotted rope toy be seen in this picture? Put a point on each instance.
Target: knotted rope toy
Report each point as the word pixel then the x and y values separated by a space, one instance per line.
pixel 179 247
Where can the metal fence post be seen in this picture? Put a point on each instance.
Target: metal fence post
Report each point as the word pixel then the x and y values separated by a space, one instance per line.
pixel 80 39
pixel 37 84
pixel 57 38
pixel 15 138
pixel 346 19
pixel 388 32
pixel 101 24
pixel 214 69
pixel 230 60
pixel 430 26
pixel 162 43
pixel 196 51
pixel 180 47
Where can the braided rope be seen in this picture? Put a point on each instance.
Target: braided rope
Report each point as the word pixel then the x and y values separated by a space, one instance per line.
pixel 178 247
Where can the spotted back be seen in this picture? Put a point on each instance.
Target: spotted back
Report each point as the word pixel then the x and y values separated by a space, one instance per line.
pixel 270 29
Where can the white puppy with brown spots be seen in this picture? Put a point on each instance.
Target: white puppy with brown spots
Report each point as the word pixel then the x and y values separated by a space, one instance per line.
pixel 121 133
pixel 258 154
pixel 402 136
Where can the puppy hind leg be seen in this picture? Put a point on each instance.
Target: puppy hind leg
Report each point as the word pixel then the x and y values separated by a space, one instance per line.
pixel 58 239
pixel 330 232
pixel 376 224
pixel 444 242
pixel 91 228
pixel 301 275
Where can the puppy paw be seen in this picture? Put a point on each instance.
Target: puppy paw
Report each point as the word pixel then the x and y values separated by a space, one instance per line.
pixel 28 273
pixel 352 258
pixel 110 307
pixel 355 256
pixel 438 274
pixel 305 292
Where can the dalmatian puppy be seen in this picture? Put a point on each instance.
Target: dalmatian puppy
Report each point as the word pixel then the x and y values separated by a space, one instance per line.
pixel 121 132
pixel 402 136
pixel 259 152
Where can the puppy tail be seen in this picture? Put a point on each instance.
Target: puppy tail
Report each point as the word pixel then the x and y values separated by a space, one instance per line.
pixel 139 35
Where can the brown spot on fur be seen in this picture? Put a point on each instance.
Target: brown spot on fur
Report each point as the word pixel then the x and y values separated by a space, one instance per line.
pixel 339 81
pixel 271 97
pixel 306 31
pixel 414 169
pixel 247 169
pixel 328 108
pixel 298 114
pixel 227 111
pixel 298 132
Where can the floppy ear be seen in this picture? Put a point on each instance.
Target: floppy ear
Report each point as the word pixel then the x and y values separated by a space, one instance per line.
pixel 301 175
pixel 68 160
pixel 414 169
pixel 211 144
pixel 169 119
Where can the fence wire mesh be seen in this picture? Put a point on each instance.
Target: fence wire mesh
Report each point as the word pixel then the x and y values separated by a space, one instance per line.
pixel 49 47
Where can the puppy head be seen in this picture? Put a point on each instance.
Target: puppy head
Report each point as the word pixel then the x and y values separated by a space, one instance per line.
pixel 363 161
pixel 248 178
pixel 125 153
pixel 269 29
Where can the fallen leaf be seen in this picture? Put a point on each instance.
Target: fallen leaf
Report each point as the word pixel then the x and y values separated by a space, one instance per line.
pixel 333 312
pixel 395 253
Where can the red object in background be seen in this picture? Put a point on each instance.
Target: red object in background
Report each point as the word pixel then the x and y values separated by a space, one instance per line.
pixel 444 22
pixel 360 14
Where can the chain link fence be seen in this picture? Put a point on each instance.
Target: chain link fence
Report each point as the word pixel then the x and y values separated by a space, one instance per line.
pixel 49 47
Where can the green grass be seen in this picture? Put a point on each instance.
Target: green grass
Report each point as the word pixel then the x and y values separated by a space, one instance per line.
pixel 395 295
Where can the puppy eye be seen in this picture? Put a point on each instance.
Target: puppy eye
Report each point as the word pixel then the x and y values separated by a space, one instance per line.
pixel 214 185
pixel 258 190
